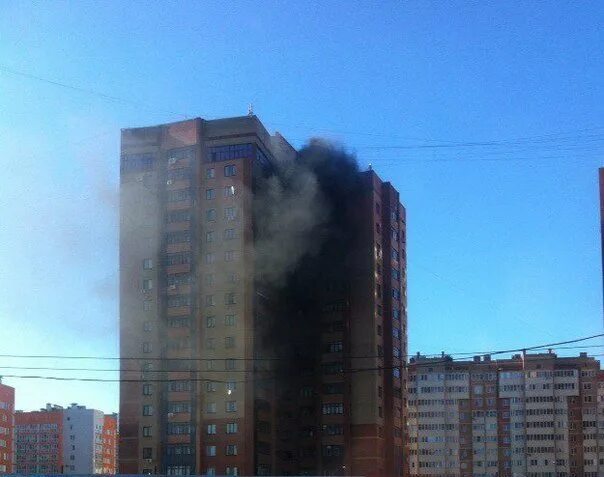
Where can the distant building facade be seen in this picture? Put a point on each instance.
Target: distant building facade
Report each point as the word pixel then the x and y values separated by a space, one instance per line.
pixel 110 438
pixel 534 416
pixel 7 422
pixel 39 441
pixel 74 440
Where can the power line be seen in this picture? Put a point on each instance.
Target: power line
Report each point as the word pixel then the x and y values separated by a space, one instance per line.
pixel 431 362
pixel 145 358
pixel 107 97
pixel 441 144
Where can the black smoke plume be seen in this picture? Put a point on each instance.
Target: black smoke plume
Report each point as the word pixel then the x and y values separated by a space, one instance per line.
pixel 305 228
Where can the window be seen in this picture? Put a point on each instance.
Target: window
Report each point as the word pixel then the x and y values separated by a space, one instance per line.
pixel 379 330
pixel 178 301
pixel 211 471
pixel 334 347
pixel 231 386
pixel 231 428
pixel 178 195
pixel 146 431
pixel 179 322
pixel 380 411
pixel 210 300
pixel 179 386
pixel 210 343
pixel 333 429
pixel 229 342
pixel 210 173
pixel 335 367
pixel 209 237
pixel 179 216
pixel 229 364
pixel 210 194
pixel 210 322
pixel 147 452
pixel 147 326
pixel 211 451
pixel 146 347
pixel 209 279
pixel 229 320
pixel 147 284
pixel 232 277
pixel 232 151
pixel 229 234
pixel 210 258
pixel 231 449
pixel 136 162
pixel 229 255
pixel 211 407
pixel 230 213
pixel 147 305
pixel 178 258
pixel 211 429
pixel 210 386
pixel 231 406
pixel 179 279
pixel 332 451
pixel 230 171
pixel 148 264
pixel 232 471
pixel 147 389
pixel 179 407
pixel 332 408
pixel 211 215
pixel 229 298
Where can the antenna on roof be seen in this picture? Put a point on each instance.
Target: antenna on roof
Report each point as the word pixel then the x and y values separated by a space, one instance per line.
pixel 370 167
pixel 250 109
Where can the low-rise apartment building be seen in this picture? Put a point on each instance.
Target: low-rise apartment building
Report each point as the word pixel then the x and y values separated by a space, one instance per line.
pixel 74 440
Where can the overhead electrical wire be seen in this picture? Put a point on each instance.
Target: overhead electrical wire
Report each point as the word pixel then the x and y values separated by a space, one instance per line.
pixel 428 362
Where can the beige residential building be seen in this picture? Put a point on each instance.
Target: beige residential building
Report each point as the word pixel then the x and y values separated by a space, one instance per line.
pixel 534 416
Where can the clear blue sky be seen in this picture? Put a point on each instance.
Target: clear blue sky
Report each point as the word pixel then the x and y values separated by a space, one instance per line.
pixel 503 239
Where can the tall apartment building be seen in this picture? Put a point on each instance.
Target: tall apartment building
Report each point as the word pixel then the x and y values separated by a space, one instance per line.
pixel 74 440
pixel 7 428
pixel 199 391
pixel 534 416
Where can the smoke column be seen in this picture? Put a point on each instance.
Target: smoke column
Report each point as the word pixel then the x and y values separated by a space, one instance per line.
pixel 305 228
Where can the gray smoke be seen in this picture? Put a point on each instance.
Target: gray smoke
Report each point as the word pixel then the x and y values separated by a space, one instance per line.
pixel 290 209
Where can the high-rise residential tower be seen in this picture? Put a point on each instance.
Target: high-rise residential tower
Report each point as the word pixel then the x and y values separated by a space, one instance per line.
pixel 202 389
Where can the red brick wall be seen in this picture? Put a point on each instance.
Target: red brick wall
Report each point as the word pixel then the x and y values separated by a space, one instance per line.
pixel 110 444
pixel 27 454
pixel 7 412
